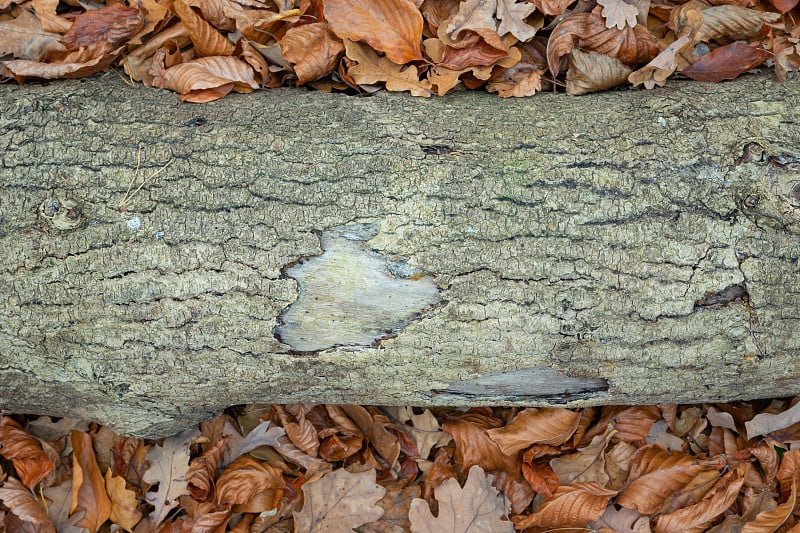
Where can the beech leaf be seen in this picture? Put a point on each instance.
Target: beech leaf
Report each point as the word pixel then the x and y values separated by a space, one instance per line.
pixel 726 63
pixel 472 15
pixel 22 69
pixel 372 68
pixel 475 508
pixel 313 48
pixel 765 423
pixel 24 504
pixel 110 25
pixel 206 78
pixel 587 464
pixel 551 425
pixel 393 27
pixel 592 72
pixel 24 38
pixel 88 486
pixel 208 41
pixel 573 505
pixel 30 460
pixel 244 478
pixel 339 501
pixel 168 466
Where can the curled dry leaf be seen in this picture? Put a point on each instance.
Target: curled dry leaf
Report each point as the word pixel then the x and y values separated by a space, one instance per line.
pixel 25 452
pixel 314 49
pixel 24 504
pixel 124 503
pixel 789 468
pixel 339 502
pixel 764 423
pixel 245 478
pixel 472 15
pixel 22 69
pixel 771 520
pixel 476 508
pixel 207 78
pixel 592 72
pixel 587 464
pixel 573 505
pixel 372 68
pixel 662 66
pixel 110 25
pixel 549 425
pixel 208 41
pixel 47 12
pixel 732 22
pixel 88 486
pixel 588 32
pixel 525 77
pixel 203 471
pixel 393 27
pixel 696 518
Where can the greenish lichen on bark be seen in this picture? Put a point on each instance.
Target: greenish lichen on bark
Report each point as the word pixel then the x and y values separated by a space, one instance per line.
pixel 639 246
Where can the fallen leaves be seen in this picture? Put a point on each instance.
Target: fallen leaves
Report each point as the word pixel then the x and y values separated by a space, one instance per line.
pixel 204 50
pixel 407 469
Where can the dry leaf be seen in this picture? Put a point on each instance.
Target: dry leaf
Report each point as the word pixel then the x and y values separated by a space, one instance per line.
pixel 30 460
pixel 59 500
pixel 696 518
pixel 339 501
pixel 541 477
pixel 110 25
pixel 525 78
pixel 772 519
pixel 393 27
pixel 662 66
pixel 24 38
pixel 472 15
pixel 22 69
pixel 207 40
pixel 124 503
pixel 619 13
pixel 88 486
pixel 476 508
pixel 202 472
pixel 763 424
pixel 24 504
pixel 571 506
pixel 372 68
pixel 424 429
pixel 205 79
pixel 512 16
pixel 551 425
pixel 587 464
pixel 47 13
pixel 731 22
pixel 168 466
pixel 245 478
pixel 592 72
pixel 315 51
pixel 622 521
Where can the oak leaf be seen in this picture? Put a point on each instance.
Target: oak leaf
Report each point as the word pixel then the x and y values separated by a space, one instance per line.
pixel 619 13
pixel 525 78
pixel 88 486
pixel 551 425
pixel 314 49
pixel 472 15
pixel 512 16
pixel 393 27
pixel 24 504
pixel 697 518
pixel 424 429
pixel 168 466
pixel 662 66
pixel 26 453
pixel 573 505
pixel 339 502
pixel 372 68
pixel 110 25
pixel 59 500
pixel 477 507
pixel 124 502
pixel 592 72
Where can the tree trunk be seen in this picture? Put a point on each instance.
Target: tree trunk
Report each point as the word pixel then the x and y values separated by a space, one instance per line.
pixel 288 246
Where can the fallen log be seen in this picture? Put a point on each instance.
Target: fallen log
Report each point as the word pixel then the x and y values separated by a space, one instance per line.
pixel 162 261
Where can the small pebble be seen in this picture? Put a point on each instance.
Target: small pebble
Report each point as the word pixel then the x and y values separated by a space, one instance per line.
pixel 134 224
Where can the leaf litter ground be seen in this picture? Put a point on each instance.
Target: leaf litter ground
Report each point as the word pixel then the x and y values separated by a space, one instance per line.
pixel 205 49
pixel 337 468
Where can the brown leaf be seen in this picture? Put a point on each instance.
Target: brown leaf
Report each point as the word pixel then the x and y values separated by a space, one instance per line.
pixel 656 475
pixel 662 66
pixel 372 68
pixel 47 12
pixel 475 49
pixel 618 13
pixel 550 425
pixel 110 25
pixel 784 6
pixel 512 16
pixel 315 51
pixel 622 521
pixel 477 507
pixel 771 520
pixel 732 22
pixel 696 518
pixel 541 477
pixel 393 27
pixel 424 429
pixel 552 7
pixel 168 466
pixel 203 471
pixel 764 423
pixel 525 77
pixel 208 41
pixel 22 69
pixel 124 503
pixel 24 38
pixel 571 506
pixel 790 465
pixel 592 72
pixel 24 504
pixel 475 447
pixel 207 78
pixel 24 451
pixel 88 487
pixel 245 478
pixel 587 464
pixel 588 32
pixel 395 504
pixel 339 501
pixel 726 63
pixel 473 15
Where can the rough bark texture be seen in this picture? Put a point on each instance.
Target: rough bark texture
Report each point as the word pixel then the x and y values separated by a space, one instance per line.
pixel 621 247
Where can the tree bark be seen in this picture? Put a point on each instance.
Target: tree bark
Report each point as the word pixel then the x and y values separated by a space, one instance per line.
pixel 288 246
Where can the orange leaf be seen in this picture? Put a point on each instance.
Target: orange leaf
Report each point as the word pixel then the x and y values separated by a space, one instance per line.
pixel 30 460
pixel 393 27
pixel 571 506
pixel 773 519
pixel 541 478
pixel 205 79
pixel 726 62
pixel 203 471
pixel 111 25
pixel 476 507
pixel 207 40
pixel 245 478
pixel 536 426
pixel 88 487
pixel 372 68
pixel 124 503
pixel 314 50
pixel 24 504
pixel 339 501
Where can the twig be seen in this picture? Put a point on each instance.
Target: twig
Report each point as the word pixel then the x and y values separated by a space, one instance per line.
pixel 128 194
